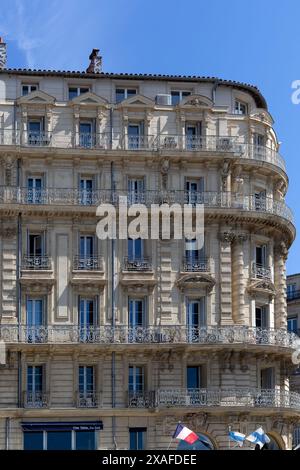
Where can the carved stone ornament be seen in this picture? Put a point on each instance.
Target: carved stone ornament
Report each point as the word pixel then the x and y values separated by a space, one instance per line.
pixel 227 237
pixel 281 250
pixel 197 421
pixel 263 286
pixel 196 280
pixel 164 170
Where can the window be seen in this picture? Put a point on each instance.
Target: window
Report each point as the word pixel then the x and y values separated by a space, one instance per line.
pixel 194 190
pixel 259 146
pixel 261 255
pixel 35 320
pixel 136 313
pixel 34 440
pixel 194 259
pixel 86 380
pixel 137 438
pixel 28 88
pixel 36 132
pixel 35 244
pixel 87 134
pixel 135 135
pixel 34 190
pixel 292 324
pixel 260 200
pixel 59 440
pixel 135 249
pixel 291 291
pixel 87 316
pixel 196 316
pixel 34 379
pixel 86 246
pixel 136 190
pixel 267 378
pixel 77 91
pixel 262 317
pixel 136 380
pixel 124 93
pixel 85 440
pixel 240 108
pixel 195 377
pixel 86 191
pixel 177 96
pixel 193 135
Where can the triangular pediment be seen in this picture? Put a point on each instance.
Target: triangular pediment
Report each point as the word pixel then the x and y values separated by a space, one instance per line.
pixel 36 97
pixel 195 101
pixel 139 101
pixel 263 286
pixel 88 99
pixel 196 280
pixel 262 115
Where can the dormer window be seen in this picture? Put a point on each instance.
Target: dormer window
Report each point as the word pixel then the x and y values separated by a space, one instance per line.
pixel 77 91
pixel 28 88
pixel 124 93
pixel 177 96
pixel 240 107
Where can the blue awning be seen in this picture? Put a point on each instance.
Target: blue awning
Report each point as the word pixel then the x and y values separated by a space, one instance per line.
pixel 62 425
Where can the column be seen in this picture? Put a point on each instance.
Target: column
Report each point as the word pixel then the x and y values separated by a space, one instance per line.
pixel 280 313
pixel 238 279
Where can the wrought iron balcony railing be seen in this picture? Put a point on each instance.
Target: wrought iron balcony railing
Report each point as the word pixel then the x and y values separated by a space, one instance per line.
pixel 167 142
pixel 36 262
pixel 202 397
pixel 88 263
pixel 210 199
pixel 168 334
pixel 35 400
pixel 260 271
pixel 137 264
pixel 87 400
pixel 192 264
pixel 293 295
pixel 145 399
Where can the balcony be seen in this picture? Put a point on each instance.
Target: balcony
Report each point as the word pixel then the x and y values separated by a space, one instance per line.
pixel 193 265
pixel 293 295
pixel 35 400
pixel 162 142
pixel 165 334
pixel 260 271
pixel 36 262
pixel 239 397
pixel 137 264
pixel 210 199
pixel 141 399
pixel 87 263
pixel 87 400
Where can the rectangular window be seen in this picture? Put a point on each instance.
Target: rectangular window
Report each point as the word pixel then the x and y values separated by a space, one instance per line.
pixel 28 88
pixel 87 314
pixel 137 438
pixel 35 321
pixel 193 133
pixel 36 132
pixel 87 134
pixel 86 380
pixel 135 249
pixel 240 108
pixel 35 244
pixel 137 315
pixel 260 200
pixel 290 291
pixel 193 377
pixel 85 440
pixel 262 317
pixel 33 440
pixel 77 91
pixel 194 189
pixel 34 379
pixel 59 440
pixel 124 93
pixel 196 315
pixel 86 191
pixel 136 379
pixel 261 255
pixel 267 378
pixel 86 246
pixel 136 138
pixel 177 96
pixel 292 324
pixel 34 190
pixel 136 190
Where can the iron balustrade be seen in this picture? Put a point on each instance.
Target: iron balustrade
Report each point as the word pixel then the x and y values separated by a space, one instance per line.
pixel 87 400
pixel 165 142
pixel 168 334
pixel 36 262
pixel 137 264
pixel 144 399
pixel 88 263
pixel 194 264
pixel 260 271
pixel 210 199
pixel 35 400
pixel 293 295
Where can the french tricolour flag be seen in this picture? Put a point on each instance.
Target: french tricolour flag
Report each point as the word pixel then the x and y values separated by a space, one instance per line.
pixel 185 434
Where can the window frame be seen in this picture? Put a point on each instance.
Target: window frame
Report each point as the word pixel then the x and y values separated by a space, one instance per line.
pixel 125 89
pixel 78 90
pixel 30 86
pixel 181 94
pixel 240 103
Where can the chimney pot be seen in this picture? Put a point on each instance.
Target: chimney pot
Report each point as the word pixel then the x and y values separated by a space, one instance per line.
pixel 2 54
pixel 95 62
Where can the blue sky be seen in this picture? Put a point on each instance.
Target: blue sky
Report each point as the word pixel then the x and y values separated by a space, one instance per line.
pixel 255 42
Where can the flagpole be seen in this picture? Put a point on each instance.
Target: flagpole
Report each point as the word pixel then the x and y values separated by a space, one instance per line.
pixel 179 422
pixel 229 429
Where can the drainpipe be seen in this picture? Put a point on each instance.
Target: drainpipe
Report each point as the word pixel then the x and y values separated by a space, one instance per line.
pixel 113 318
pixel 18 288
pixel 7 433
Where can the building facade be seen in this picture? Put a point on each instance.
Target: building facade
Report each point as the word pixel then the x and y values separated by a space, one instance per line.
pixel 108 344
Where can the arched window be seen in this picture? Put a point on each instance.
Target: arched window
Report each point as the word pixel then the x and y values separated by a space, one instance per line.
pixel 204 443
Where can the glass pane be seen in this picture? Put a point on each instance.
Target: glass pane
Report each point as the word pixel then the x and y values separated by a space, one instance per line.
pixel 72 93
pixel 193 377
pixel 33 440
pixel 120 94
pixel 84 90
pixel 57 440
pixel 38 312
pixel 81 379
pixel 38 372
pixel 136 439
pixel 29 312
pixel 131 93
pixel 133 130
pixel 85 440
pixel 34 126
pixel 30 378
pixel 175 97
pixel 25 90
pixel 85 128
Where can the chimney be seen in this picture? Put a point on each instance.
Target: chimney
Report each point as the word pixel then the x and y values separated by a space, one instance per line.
pixel 2 54
pixel 96 62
